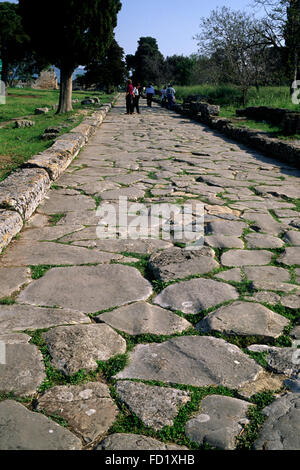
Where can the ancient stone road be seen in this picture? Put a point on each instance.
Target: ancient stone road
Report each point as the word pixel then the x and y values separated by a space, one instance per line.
pixel 204 331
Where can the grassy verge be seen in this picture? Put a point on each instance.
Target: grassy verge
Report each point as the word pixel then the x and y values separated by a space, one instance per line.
pixel 18 145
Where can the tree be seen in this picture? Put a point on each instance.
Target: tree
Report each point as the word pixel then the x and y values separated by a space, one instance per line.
pixel 147 65
pixel 234 37
pixel 71 33
pixel 13 39
pixel 108 72
pixel 179 69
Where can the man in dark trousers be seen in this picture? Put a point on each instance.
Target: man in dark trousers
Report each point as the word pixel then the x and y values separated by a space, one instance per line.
pixel 136 100
pixel 150 92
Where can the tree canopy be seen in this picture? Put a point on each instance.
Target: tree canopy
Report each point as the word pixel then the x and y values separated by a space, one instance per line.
pixel 148 62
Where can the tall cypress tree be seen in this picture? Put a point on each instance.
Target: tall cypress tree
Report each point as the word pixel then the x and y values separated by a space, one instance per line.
pixel 70 33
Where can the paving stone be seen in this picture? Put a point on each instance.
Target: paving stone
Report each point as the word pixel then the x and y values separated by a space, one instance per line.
pixel 280 360
pixel 229 228
pixel 21 429
pixel 292 237
pixel 292 385
pixel 79 218
pixel 88 409
pixel 234 275
pixel 94 288
pixel 79 347
pixel 275 286
pixel 265 297
pixel 264 222
pixel 28 253
pixel 295 332
pixel 257 240
pixel 196 295
pixel 244 319
pixel 281 430
pixel 14 338
pixel 290 191
pixel 12 279
pixel 155 406
pixel 177 263
pixel 23 317
pixel 192 360
pixel 223 241
pixel 291 301
pixel 143 318
pixel 129 246
pixel 132 193
pixel 49 233
pixel 221 421
pixel 135 442
pixel 290 256
pixel 246 258
pixel 268 273
pixel 23 370
pixel 61 203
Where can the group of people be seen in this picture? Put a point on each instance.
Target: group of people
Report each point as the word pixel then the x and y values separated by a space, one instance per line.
pixel 133 95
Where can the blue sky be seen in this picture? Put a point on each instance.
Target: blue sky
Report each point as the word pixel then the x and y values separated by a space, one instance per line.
pixel 172 22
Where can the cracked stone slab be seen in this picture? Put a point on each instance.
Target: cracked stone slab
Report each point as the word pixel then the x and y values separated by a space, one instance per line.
pixel 10 225
pixel 79 347
pixel 246 258
pixel 290 256
pixel 281 430
pixel 23 371
pixel 62 203
pixel 12 279
pixel 244 319
pixel 264 222
pixel 192 297
pixel 259 240
pixel 21 429
pixel 88 409
pixel 221 421
pixel 23 190
pixel 135 442
pixel 280 360
pixel 155 406
pixel 24 317
pixel 143 318
pixel 88 289
pixel 177 263
pixel 200 361
pixel 48 233
pixel 26 253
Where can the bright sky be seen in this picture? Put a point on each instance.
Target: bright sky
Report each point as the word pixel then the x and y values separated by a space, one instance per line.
pixel 172 22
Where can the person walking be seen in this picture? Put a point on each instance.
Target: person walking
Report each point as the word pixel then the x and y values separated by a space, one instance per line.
pixel 150 92
pixel 129 97
pixel 136 100
pixel 163 92
pixel 170 94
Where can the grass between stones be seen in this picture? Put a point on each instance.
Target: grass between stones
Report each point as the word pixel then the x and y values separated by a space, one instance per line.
pixel 55 218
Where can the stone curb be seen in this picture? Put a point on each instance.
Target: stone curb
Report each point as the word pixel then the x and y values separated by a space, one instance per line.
pixel 269 146
pixel 23 191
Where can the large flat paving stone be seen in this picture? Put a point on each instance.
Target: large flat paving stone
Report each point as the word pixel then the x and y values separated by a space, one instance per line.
pixel 226 227
pixel 141 318
pixel 233 274
pixel 220 422
pixel 262 240
pixel 281 430
pixel 12 279
pixel 292 237
pixel 246 258
pixel 192 360
pixel 244 319
pixel 267 273
pixel 280 360
pixel 155 406
pixel 290 256
pixel 23 371
pixel 196 295
pixel 89 289
pixel 132 193
pixel 135 442
pixel 224 241
pixel 176 263
pixel 21 429
pixel 127 246
pixel 61 203
pixel 88 409
pixel 24 317
pixel 79 347
pixel 32 254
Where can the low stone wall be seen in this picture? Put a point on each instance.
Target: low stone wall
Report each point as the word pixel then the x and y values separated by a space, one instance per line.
pixel 269 146
pixel 24 189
